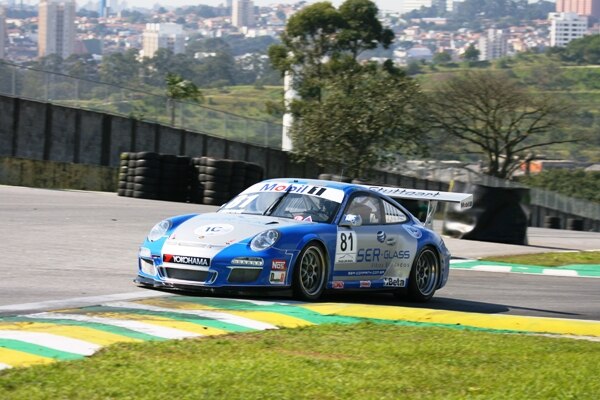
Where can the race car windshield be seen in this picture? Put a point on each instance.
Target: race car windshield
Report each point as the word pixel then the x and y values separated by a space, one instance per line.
pixel 285 205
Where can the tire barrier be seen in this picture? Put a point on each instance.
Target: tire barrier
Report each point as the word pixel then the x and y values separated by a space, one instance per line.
pixel 552 222
pixel 222 179
pixel 204 180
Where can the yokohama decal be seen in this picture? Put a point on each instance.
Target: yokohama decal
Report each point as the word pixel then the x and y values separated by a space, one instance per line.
pixel 201 261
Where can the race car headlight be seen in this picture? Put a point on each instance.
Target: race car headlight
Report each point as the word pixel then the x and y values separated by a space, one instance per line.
pixel 159 230
pixel 264 240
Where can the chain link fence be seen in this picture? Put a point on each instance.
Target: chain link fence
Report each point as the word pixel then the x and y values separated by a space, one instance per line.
pixel 60 89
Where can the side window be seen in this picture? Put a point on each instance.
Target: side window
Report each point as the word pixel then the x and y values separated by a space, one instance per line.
pixel 393 215
pixel 368 207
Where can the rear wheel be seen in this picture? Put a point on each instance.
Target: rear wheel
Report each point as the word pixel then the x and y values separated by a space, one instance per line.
pixel 310 273
pixel 424 276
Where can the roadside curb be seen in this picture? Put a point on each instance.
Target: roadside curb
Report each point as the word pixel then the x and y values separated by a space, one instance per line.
pixel 575 271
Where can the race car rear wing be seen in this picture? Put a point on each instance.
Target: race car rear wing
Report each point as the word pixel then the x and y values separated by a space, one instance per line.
pixel 465 200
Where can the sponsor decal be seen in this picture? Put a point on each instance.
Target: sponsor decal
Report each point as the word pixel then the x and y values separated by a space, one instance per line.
pixel 305 189
pixel 466 203
pixel 345 251
pixel 201 261
pixel 413 231
pixel 213 230
pixel 299 218
pixel 375 255
pixel 393 282
pixel 338 284
pixel 308 219
pixel 381 236
pixel 368 272
pixel 404 192
pixel 279 265
pixel 365 284
pixel 332 194
pixel 277 277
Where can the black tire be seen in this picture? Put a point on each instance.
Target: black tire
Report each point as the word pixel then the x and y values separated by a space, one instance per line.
pixel 147 155
pixel 217 186
pixel 144 195
pixel 123 177
pixel 219 163
pixel 122 185
pixel 129 193
pixel 121 192
pixel 148 172
pixel 213 202
pixel 424 276
pixel 217 171
pixel 147 163
pixel 168 159
pixel 144 187
pixel 146 180
pixel 130 185
pixel 310 273
pixel 225 195
pixel 124 156
pixel 123 169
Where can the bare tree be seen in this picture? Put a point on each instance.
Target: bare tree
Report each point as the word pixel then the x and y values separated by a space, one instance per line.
pixel 493 115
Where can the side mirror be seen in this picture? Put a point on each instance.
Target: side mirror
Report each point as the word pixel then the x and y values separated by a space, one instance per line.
pixel 351 220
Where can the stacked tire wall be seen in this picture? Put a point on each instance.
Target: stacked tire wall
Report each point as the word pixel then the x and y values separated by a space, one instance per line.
pixel 204 180
pixel 222 179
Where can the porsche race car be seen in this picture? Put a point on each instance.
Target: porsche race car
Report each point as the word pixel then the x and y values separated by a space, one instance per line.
pixel 305 235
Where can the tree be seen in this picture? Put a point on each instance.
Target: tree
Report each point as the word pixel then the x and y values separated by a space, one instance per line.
pixel 471 54
pixel 442 58
pixel 180 89
pixel 365 117
pixel 319 36
pixel 491 114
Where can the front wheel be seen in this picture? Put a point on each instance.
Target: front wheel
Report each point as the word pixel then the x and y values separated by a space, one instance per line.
pixel 424 276
pixel 310 273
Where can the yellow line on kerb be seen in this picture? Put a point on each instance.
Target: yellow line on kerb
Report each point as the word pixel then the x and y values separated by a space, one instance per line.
pixel 72 331
pixel 16 358
pixel 486 321
pixel 280 320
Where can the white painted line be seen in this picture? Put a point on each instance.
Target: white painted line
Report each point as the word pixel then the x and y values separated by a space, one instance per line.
pixel 216 315
pixel 51 341
pixel 560 272
pixel 460 261
pixel 492 268
pixel 147 328
pixel 81 301
pixel 4 366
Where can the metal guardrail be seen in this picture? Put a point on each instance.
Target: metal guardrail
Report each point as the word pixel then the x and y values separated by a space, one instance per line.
pixel 65 90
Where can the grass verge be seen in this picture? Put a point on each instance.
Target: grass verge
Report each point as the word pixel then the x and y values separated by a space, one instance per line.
pixel 550 259
pixel 361 361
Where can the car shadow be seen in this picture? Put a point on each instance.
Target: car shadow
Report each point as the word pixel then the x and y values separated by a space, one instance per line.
pixel 387 299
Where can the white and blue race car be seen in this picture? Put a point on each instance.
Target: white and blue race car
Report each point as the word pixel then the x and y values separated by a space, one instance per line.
pixel 307 235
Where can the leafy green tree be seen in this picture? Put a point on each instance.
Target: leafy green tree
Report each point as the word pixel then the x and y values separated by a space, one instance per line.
pixel 441 58
pixel 583 51
pixel 179 89
pixel 495 117
pixel 121 69
pixel 366 116
pixel 471 53
pixel 573 183
pixel 319 37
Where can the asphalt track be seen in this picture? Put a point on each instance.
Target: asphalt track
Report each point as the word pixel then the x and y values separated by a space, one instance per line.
pixel 75 251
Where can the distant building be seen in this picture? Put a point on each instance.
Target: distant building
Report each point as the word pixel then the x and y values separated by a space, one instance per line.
pixel 411 5
pixel 102 9
pixel 2 32
pixel 493 45
pixel 163 36
pixel 242 13
pixel 56 31
pixel 588 8
pixel 565 27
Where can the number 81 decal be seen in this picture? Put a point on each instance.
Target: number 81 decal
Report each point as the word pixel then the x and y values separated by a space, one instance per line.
pixel 345 250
